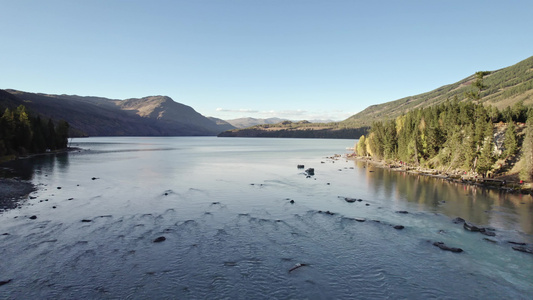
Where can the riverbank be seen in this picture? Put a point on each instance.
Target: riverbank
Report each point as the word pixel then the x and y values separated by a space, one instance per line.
pixel 7 158
pixel 506 183
pixel 12 190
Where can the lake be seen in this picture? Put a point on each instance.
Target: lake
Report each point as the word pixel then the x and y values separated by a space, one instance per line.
pixel 231 231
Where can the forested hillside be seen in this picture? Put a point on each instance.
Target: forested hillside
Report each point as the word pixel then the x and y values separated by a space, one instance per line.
pixel 22 133
pixel 501 88
pixel 301 129
pixel 97 116
pixel 456 136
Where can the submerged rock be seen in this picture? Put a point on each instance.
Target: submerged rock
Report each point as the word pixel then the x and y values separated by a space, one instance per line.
pixel 402 212
pixel 297 266
pixel 160 239
pixel 86 220
pixel 301 166
pixel 472 227
pixel 523 249
pixel 350 200
pixel 444 247
pixel 5 282
pixel 33 217
pixel 517 243
pixel 360 219
pixel 458 220
pixel 488 233
pixel 327 212
pixel 399 227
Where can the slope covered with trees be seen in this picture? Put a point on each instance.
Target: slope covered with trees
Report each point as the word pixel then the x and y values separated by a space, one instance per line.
pixel 455 135
pixel 501 88
pixel 96 116
pixel 22 133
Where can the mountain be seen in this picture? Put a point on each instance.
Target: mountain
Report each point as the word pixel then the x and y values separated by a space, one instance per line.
pixel 96 116
pixel 248 122
pixel 224 125
pixel 503 88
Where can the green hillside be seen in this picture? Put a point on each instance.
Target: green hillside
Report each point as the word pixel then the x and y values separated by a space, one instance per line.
pixel 503 88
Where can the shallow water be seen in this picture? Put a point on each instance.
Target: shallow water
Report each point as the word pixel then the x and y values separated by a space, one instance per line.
pixel 231 232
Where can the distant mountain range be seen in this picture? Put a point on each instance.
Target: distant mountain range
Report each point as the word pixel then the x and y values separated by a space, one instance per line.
pixel 161 116
pixel 95 116
pixel 502 88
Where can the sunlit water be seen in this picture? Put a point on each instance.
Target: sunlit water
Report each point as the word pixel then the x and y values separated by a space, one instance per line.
pixel 232 233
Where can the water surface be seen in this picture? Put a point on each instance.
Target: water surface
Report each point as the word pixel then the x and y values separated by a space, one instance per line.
pixel 231 231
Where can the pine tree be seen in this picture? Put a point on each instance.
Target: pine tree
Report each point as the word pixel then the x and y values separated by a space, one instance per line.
pixel 361 146
pixel 527 149
pixel 510 142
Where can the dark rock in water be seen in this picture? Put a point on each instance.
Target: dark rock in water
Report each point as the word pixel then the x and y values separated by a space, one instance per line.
pixel 471 227
pixel 160 239
pixel 291 202
pixel 70 199
pixel 360 219
pixel 5 282
pixel 33 217
pixel 166 194
pixel 350 200
pixel 310 171
pixel 489 240
pixel 488 233
pixel 58 187
pixel 444 247
pixel 523 249
pixel 86 221
pixel 516 243
pixel 402 212
pixel 458 220
pixel 53 207
pixel 359 200
pixel 301 166
pixel 367 204
pixel 399 227
pixel 5 233
pixel 297 266
pixel 94 178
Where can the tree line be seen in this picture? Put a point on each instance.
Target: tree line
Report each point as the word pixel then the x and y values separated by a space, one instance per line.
pixel 454 135
pixel 22 133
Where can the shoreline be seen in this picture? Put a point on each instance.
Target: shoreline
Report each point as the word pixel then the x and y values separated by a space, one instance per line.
pixel 12 191
pixel 488 183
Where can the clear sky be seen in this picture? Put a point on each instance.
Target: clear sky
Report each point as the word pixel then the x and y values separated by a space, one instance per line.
pixel 292 59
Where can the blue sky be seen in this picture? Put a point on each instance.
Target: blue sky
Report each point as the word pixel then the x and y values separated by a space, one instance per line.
pixel 292 59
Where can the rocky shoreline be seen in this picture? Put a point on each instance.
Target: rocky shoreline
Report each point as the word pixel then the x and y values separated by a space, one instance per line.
pixel 12 190
pixel 470 179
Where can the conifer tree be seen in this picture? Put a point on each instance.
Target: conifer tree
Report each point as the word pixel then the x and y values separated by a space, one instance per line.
pixel 510 142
